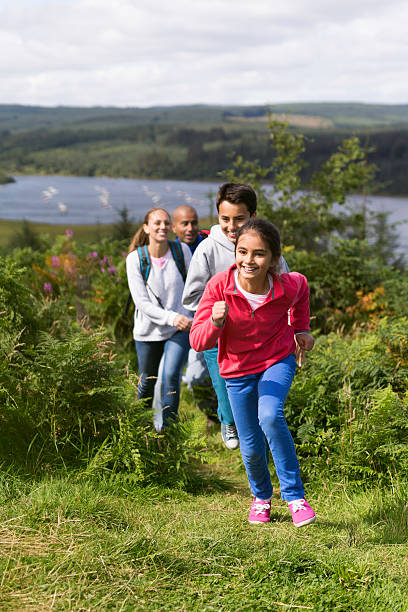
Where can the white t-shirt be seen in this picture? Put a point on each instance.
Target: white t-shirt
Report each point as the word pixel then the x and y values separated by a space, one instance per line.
pixel 255 300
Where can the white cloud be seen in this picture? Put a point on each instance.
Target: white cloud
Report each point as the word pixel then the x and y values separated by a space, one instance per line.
pixel 145 53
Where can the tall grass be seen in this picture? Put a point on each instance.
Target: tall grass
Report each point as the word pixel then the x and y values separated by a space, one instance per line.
pixel 78 543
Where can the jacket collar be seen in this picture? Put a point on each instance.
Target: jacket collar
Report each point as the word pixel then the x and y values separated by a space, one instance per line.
pixel 232 289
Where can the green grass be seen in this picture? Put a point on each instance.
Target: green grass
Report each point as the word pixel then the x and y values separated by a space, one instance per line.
pixel 83 233
pixel 70 542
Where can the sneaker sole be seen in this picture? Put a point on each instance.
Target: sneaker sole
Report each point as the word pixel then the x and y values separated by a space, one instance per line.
pixel 258 522
pixel 232 446
pixel 307 522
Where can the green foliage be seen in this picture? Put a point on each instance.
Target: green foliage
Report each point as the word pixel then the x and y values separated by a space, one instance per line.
pixel 345 172
pixel 348 407
pixel 194 142
pixel 287 162
pixel 67 398
pixel 304 211
pixel 338 279
pixel 26 237
pixel 124 228
pixel 17 304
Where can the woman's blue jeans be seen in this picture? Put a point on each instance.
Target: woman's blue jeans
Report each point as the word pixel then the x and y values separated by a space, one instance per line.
pixel 224 407
pixel 149 354
pixel 257 402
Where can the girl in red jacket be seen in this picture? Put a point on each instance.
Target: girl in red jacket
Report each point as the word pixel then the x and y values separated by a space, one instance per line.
pixel 246 308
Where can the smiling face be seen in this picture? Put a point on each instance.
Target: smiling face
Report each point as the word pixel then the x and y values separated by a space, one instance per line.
pixel 231 217
pixel 254 259
pixel 185 224
pixel 157 226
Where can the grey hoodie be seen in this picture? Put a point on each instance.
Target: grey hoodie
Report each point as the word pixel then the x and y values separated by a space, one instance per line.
pixel 214 254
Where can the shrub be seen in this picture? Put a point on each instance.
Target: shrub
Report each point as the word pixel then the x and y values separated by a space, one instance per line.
pixel 68 401
pixel 350 400
pixel 338 279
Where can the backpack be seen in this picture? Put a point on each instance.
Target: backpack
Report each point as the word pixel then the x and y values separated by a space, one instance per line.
pixel 146 264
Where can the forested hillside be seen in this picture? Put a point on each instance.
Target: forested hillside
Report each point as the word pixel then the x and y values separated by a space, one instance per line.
pixel 193 142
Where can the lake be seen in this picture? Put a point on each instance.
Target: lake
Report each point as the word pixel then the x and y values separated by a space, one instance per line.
pixel 69 200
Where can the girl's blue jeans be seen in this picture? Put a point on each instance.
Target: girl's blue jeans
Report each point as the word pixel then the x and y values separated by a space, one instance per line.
pixel 224 407
pixel 149 354
pixel 257 402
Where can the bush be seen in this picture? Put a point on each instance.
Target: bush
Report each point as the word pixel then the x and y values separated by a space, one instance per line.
pixel 349 285
pixel 68 401
pixel 348 407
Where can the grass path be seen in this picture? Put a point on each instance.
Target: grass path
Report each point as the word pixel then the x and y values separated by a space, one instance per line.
pixel 71 543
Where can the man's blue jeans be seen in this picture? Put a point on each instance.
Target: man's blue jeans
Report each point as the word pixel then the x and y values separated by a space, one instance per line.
pixel 149 354
pixel 257 402
pixel 224 407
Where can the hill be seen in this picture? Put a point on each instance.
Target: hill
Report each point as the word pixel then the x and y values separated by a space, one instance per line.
pixel 191 142
pixel 327 115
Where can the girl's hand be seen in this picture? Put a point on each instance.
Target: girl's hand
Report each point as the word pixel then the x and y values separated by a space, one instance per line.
pixel 219 313
pixel 304 342
pixel 182 322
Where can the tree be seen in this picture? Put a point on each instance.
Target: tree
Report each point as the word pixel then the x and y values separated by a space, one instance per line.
pixel 307 214
pixel 124 228
pixel 25 237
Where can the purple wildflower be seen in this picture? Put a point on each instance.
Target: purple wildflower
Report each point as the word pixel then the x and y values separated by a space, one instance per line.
pixel 69 233
pixel 47 288
pixel 55 261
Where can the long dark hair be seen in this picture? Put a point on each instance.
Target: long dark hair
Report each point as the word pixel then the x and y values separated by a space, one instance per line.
pixel 267 231
pixel 141 238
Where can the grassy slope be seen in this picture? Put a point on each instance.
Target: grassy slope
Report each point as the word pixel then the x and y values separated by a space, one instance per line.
pixel 82 232
pixel 73 543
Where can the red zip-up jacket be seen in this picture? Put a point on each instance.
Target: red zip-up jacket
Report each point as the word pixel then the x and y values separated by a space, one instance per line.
pixel 250 341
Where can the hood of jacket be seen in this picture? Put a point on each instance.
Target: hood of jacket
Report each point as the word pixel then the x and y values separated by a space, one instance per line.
pixel 218 235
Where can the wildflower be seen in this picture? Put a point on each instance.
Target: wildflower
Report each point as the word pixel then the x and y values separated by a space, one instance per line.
pixel 69 233
pixel 47 288
pixel 55 261
pixel 103 270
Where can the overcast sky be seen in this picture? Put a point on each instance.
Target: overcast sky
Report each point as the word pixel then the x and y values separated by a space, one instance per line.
pixel 167 52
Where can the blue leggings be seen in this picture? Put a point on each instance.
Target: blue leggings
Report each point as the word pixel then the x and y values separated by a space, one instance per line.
pixel 224 407
pixel 257 402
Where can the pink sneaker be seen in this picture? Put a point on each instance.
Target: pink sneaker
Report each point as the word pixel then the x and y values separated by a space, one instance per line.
pixel 302 513
pixel 260 512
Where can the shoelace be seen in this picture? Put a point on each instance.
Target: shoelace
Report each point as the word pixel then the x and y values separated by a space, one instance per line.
pixel 297 504
pixel 259 508
pixel 230 432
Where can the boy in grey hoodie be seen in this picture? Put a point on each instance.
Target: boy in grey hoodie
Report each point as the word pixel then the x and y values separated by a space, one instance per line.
pixel 236 203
